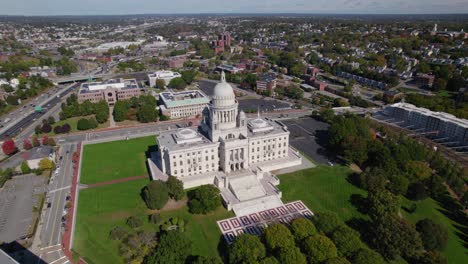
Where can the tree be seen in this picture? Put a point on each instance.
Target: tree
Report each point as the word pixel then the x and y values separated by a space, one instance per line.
pixel 173 247
pixel 35 141
pixel 118 233
pixel 278 236
pixel 431 257
pixel 58 129
pixel 175 187
pixel 50 120
pixel 102 116
pixel 337 260
pixel 147 113
pixel 156 194
pixel 178 83
pixel 291 255
pixel 246 249
pixel 189 76
pixel 367 256
pixel 326 221
pixel 66 128
pixel 9 147
pixel 204 199
pixel 45 140
pixel 269 260
pixel 382 204
pixel 433 235
pixel 206 260
pixel 302 228
pixel 51 142
pixel 120 110
pixel 417 191
pixel 346 240
pixel 27 144
pixel 25 168
pixel 83 124
pixel 134 222
pixel 393 236
pixel 46 164
pixel 319 248
pixel 160 84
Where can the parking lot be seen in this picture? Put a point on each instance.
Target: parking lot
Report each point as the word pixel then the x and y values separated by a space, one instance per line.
pixel 309 136
pixel 17 199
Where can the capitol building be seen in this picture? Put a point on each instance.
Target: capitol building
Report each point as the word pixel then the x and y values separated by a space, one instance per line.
pixel 229 150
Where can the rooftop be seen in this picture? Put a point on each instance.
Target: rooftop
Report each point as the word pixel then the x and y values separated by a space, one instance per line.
pixel 440 115
pixel 182 139
pixel 183 98
pixel 112 83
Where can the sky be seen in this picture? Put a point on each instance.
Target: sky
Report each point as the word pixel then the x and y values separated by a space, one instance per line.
pixel 117 7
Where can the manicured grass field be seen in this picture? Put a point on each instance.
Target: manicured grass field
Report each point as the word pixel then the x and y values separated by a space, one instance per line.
pixel 101 209
pixel 323 188
pixel 326 188
pixel 115 160
pixel 428 208
pixel 201 229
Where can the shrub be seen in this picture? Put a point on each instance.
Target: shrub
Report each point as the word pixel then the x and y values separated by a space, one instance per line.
pixel 204 199
pixel 118 233
pixel 46 128
pixel 51 142
pixel 66 128
pixel 27 144
pixel 156 194
pixel 173 247
pixel 25 168
pixel 35 141
pixel 337 260
pixel 134 222
pixel 58 130
pixel 155 218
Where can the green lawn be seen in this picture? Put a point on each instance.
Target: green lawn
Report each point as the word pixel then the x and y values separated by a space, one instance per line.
pixel 101 209
pixel 201 229
pixel 428 208
pixel 326 188
pixel 322 188
pixel 115 160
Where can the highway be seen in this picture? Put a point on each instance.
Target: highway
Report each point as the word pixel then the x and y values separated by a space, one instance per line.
pixel 59 188
pixel 22 123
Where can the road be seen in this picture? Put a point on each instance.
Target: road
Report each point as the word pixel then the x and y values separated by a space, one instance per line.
pixel 59 188
pixel 20 124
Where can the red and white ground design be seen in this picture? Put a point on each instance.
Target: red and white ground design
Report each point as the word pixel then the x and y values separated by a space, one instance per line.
pixel 255 223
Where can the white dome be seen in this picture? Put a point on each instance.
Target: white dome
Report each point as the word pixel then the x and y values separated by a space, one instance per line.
pixel 223 89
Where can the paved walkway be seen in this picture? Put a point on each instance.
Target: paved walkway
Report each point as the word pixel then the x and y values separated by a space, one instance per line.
pixel 117 181
pixel 111 117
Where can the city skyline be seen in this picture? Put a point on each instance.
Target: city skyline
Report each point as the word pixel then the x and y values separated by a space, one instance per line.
pixel 121 7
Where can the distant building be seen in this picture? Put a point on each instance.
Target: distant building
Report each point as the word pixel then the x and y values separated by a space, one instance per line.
pixel 183 104
pixel 266 82
pixel 391 96
pixel 176 61
pixel 223 41
pixel 167 76
pixel 110 91
pixel 228 68
pixel 424 120
pixel 424 80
